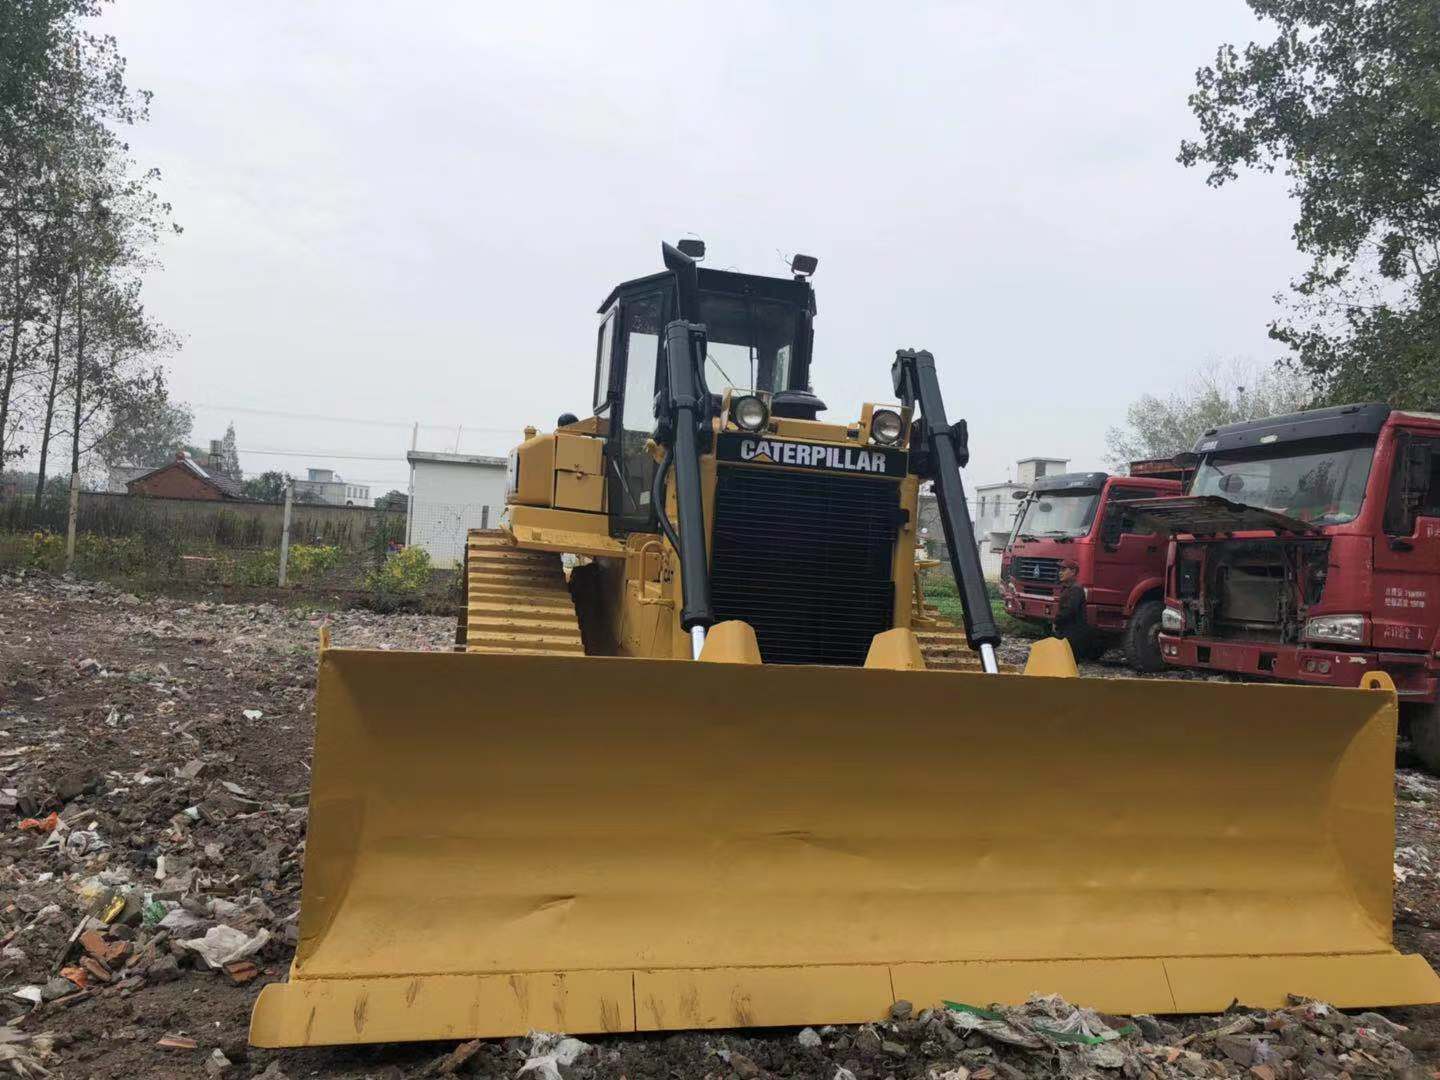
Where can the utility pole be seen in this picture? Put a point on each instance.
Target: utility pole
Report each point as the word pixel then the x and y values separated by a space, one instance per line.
pixel 74 514
pixel 410 494
pixel 285 531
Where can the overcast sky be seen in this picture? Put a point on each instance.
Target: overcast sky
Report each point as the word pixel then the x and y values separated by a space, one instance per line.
pixel 406 212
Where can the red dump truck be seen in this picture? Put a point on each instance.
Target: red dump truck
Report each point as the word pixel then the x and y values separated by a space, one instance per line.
pixel 1307 549
pixel 1084 519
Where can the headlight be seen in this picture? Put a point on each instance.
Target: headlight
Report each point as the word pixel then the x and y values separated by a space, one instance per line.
pixel 749 412
pixel 1346 629
pixel 886 426
pixel 512 473
pixel 1172 620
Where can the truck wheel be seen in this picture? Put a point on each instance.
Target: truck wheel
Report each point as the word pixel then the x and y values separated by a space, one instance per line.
pixel 1424 723
pixel 1142 638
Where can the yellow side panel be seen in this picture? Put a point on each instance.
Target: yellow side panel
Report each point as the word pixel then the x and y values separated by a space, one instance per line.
pixel 535 464
pixel 544 529
pixel 577 491
pixel 798 844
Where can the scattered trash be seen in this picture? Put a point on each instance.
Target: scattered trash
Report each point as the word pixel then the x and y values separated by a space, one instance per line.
pixel 457 1058
pixel 223 945
pixel 550 1052
pixel 146 829
pixel 241 971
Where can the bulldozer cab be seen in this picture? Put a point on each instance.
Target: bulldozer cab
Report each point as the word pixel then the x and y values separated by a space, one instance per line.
pixel 758 337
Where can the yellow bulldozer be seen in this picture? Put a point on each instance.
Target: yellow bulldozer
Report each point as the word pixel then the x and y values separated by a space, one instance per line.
pixel 703 759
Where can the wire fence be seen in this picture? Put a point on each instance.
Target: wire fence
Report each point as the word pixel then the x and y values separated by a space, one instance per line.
pixel 440 528
pixel 158 541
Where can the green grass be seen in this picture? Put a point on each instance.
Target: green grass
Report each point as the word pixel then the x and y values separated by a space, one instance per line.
pixel 940 590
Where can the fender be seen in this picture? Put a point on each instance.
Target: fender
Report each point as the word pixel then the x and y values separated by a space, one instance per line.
pixel 1149 584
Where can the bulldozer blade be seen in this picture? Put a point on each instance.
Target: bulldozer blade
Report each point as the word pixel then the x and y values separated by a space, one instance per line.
pixel 500 843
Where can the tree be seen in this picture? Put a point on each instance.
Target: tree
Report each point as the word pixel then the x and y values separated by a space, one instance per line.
pixel 1345 100
pixel 145 427
pixel 229 463
pixel 77 223
pixel 393 500
pixel 268 486
pixel 1216 395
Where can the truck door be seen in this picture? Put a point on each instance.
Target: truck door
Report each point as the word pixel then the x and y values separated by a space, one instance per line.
pixel 1406 612
pixel 1125 552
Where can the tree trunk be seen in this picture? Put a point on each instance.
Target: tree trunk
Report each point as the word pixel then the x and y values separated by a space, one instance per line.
pixel 75 427
pixel 79 370
pixel 50 394
pixel 12 362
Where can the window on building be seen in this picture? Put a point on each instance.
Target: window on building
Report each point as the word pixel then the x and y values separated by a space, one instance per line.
pixel 1039 469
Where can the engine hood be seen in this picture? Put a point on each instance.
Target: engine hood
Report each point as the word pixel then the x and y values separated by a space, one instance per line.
pixel 1211 515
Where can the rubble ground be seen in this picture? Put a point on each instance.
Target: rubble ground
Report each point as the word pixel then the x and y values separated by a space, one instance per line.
pixel 154 776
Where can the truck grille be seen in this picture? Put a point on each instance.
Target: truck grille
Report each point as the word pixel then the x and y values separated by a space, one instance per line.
pixel 1034 571
pixel 805 559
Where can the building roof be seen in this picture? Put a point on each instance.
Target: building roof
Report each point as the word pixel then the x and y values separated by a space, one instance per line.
pixel 230 489
pixel 416 456
pixel 998 484
pixel 1022 460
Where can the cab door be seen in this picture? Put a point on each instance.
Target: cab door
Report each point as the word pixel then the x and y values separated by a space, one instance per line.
pixel 1406 607
pixel 1125 552
pixel 629 470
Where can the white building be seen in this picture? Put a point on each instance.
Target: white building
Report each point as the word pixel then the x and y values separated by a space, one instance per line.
pixel 450 494
pixel 328 486
pixel 992 510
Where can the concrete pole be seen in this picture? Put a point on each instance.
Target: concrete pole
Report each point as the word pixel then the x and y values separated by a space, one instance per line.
pixel 285 531
pixel 74 514
pixel 410 494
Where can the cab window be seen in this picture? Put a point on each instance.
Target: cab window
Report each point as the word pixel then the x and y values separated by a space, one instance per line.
pixel 1414 485
pixel 1118 520
pixel 632 469
pixel 604 347
pixel 749 342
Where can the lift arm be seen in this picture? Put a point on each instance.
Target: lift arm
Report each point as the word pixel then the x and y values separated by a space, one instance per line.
pixel 682 409
pixel 914 376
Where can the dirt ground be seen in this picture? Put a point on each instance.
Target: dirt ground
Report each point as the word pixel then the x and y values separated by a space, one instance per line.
pixel 172 740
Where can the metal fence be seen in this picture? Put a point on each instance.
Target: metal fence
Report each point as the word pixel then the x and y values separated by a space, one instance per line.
pixel 441 527
pixel 222 542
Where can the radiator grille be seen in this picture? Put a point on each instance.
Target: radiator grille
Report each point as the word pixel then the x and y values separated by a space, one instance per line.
pixel 805 558
pixel 1033 571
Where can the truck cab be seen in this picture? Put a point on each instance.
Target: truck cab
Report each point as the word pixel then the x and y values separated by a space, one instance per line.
pixel 1307 549
pixel 1085 519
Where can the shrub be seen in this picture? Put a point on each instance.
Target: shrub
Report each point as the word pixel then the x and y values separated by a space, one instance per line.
pixel 46 550
pixel 253 568
pixel 401 581
pixel 309 562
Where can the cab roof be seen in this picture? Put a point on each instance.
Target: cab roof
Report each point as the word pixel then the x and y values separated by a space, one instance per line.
pixel 1365 419
pixel 1082 481
pixel 786 290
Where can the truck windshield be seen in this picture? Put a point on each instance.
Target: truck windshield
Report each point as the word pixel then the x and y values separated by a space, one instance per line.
pixel 1322 482
pixel 1058 513
pixel 749 343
